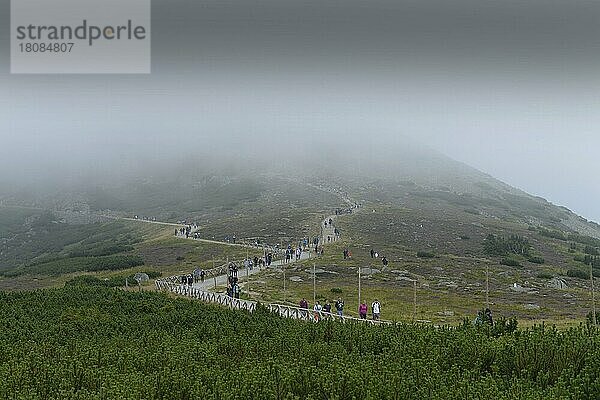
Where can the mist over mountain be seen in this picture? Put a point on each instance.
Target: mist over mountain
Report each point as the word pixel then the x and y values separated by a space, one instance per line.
pixel 215 181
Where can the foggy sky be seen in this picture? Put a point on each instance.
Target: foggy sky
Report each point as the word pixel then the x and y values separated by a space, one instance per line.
pixel 509 87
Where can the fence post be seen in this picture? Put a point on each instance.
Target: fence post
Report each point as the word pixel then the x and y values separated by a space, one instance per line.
pixel 314 284
pixel 487 286
pixel 593 294
pixel 359 268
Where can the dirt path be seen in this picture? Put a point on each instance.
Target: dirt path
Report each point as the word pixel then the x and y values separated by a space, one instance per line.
pixel 244 273
pixel 328 236
pixel 328 230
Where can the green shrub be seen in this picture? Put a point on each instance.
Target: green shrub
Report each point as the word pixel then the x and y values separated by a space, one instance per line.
pixel 336 290
pixel 113 281
pixel 83 342
pixel 591 250
pixel 511 262
pixel 553 233
pixel 77 264
pixel 502 246
pixel 536 259
pixel 545 275
pixel 425 254
pixel 589 318
pixel 105 250
pixel 588 259
pixel 585 240
pixel 578 273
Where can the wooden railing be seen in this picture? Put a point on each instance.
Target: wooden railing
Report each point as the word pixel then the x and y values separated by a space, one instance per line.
pixel 282 310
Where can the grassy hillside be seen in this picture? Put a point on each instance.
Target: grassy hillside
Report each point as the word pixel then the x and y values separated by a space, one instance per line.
pixel 42 240
pixel 430 216
pixel 85 343
pixel 446 250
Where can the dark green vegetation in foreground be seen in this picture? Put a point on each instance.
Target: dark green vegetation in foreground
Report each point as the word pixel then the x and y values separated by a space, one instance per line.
pixel 81 342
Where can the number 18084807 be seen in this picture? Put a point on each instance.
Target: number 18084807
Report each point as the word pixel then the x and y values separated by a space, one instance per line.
pixel 45 47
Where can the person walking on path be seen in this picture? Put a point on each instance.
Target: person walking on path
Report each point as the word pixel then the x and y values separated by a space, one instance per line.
pixel 339 306
pixel 362 310
pixel 317 309
pixel 376 310
pixel 327 307
pixel 304 306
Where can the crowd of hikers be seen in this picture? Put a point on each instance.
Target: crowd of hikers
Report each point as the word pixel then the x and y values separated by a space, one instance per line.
pixel 347 210
pixel 144 218
pixel 186 231
pixel 288 255
pixel 197 275
pixel 328 223
pixel 293 253
pixel 324 311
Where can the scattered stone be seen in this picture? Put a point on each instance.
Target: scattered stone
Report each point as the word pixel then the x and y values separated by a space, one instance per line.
pixel 450 284
pixel 446 313
pixel 557 283
pixel 520 289
pixel 141 277
pixel 399 272
pixel 531 306
pixel 369 271
pixel 296 279
pixel 316 271
pixel 404 278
